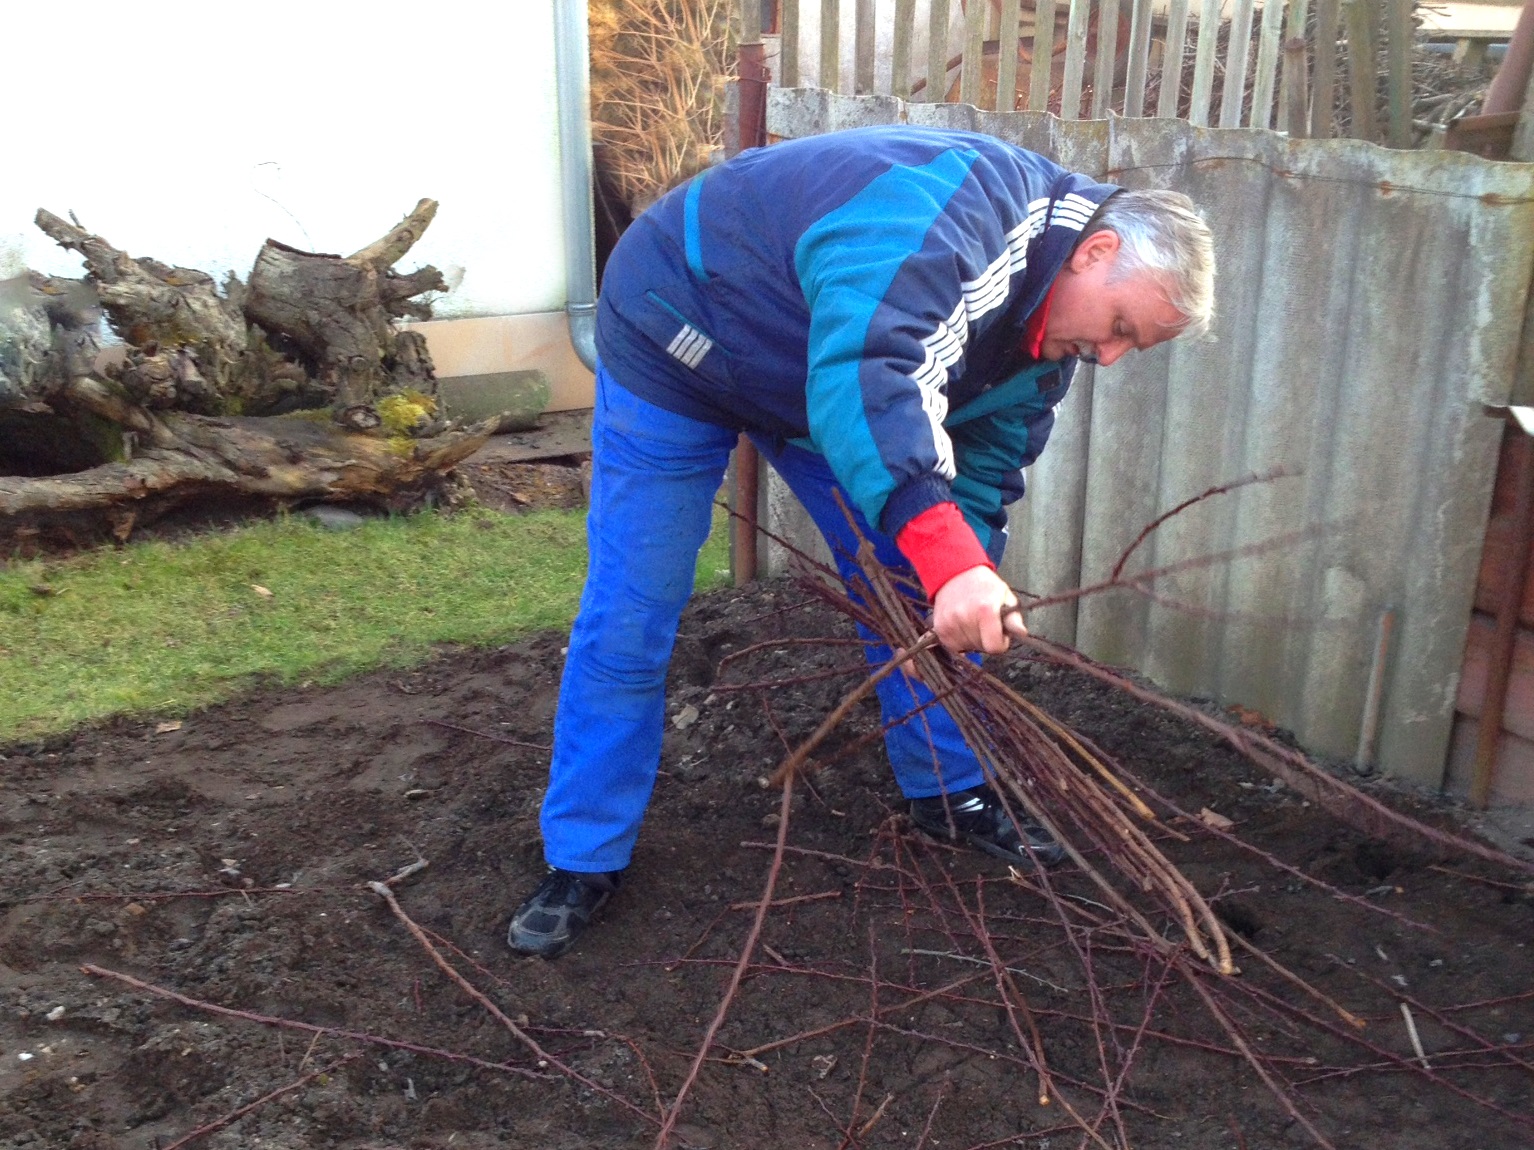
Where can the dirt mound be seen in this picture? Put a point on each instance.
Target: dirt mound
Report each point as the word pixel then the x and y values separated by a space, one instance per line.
pixel 227 861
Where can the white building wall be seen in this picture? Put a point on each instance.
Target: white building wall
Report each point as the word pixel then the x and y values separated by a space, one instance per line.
pixel 191 132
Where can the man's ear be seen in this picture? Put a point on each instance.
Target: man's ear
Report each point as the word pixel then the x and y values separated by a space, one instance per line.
pixel 1097 246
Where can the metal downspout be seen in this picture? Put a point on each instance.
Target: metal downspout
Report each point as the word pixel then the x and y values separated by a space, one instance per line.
pixel 572 67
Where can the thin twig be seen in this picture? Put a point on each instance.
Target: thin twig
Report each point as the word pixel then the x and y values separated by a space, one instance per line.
pixel 796 761
pixel 235 1115
pixel 674 1112
pixel 308 1027
pixel 486 735
pixel 527 1040
pixel 1416 1039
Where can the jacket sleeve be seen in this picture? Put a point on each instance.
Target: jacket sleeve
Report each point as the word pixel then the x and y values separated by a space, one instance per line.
pixel 898 280
pixel 990 453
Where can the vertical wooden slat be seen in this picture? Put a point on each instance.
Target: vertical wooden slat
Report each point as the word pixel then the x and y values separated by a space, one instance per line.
pixel 1294 113
pixel 1043 55
pixel 1203 63
pixel 1267 64
pixel 1172 58
pixel 1139 59
pixel 830 45
pixel 1363 17
pixel 1323 100
pixel 788 45
pixel 863 48
pixel 1237 50
pixel 1006 62
pixel 1296 94
pixel 1075 59
pixel 937 52
pixel 1107 57
pixel 900 51
pixel 750 21
pixel 973 64
pixel 1400 73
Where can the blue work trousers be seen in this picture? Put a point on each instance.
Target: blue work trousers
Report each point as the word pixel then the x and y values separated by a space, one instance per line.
pixel 654 477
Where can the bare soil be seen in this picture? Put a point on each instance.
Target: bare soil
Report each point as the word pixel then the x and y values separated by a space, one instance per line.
pixel 226 860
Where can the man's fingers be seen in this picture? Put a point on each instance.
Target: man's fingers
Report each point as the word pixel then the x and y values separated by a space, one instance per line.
pixel 993 638
pixel 1012 620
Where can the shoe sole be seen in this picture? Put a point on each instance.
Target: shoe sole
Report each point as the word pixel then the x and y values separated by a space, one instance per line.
pixel 1027 861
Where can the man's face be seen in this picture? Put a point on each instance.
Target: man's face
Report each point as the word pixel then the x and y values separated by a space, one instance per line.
pixel 1098 320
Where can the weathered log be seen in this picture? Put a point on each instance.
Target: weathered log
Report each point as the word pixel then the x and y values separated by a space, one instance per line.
pixel 269 460
pixel 180 309
pixel 339 312
pixel 48 332
pixel 196 405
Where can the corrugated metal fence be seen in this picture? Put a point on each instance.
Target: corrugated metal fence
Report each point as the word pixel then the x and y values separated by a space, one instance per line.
pixel 1372 301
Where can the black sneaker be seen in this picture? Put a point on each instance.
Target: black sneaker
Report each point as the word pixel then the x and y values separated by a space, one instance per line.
pixel 554 915
pixel 977 817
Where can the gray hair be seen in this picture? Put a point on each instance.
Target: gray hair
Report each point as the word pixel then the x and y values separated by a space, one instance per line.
pixel 1161 233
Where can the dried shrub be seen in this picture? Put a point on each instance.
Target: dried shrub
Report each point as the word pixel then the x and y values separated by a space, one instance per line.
pixel 657 69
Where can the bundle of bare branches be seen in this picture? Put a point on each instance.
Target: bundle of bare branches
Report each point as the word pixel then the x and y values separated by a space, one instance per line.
pixel 1107 819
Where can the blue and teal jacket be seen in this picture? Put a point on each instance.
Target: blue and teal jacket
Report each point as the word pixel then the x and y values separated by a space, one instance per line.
pixel 863 293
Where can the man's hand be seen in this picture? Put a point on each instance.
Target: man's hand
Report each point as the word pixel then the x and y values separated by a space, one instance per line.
pixel 976 611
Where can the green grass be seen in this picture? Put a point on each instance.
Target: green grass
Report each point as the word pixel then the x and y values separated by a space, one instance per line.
pixel 162 628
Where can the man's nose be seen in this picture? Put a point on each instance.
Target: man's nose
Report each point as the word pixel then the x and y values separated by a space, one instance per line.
pixel 1111 352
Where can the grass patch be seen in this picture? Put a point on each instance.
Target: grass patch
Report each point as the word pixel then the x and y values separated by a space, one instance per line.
pixel 168 627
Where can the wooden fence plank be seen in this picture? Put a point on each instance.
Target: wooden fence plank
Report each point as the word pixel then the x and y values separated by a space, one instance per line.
pixel 1139 59
pixel 973 65
pixel 1363 18
pixel 1107 57
pixel 900 52
pixel 1006 61
pixel 788 46
pixel 937 52
pixel 1323 101
pixel 1043 55
pixel 1203 62
pixel 1294 114
pixel 1266 78
pixel 1172 59
pixel 750 22
pixel 1296 96
pixel 1400 73
pixel 1237 50
pixel 830 45
pixel 1075 59
pixel 863 48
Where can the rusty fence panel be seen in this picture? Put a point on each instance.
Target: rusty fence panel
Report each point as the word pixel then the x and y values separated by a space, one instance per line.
pixel 1370 302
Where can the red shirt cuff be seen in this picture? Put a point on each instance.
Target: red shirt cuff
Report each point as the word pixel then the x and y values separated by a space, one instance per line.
pixel 940 545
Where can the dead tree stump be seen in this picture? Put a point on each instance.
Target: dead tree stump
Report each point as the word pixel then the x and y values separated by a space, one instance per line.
pixel 298 386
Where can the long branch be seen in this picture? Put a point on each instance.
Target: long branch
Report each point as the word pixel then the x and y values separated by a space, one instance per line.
pixel 748 948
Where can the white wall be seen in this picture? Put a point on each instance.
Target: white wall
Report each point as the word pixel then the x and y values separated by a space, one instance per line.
pixel 192 131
